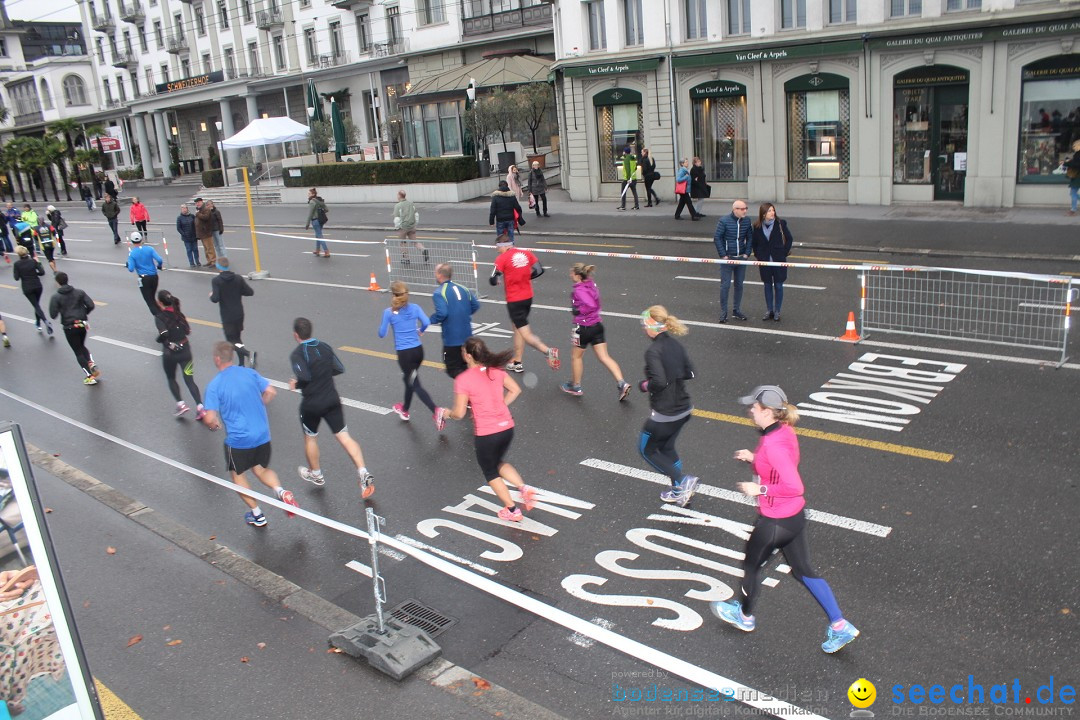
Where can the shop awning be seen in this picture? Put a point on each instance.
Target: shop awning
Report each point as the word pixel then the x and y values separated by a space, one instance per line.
pixel 490 72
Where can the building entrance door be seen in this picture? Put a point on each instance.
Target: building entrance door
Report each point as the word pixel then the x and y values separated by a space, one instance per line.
pixel 948 139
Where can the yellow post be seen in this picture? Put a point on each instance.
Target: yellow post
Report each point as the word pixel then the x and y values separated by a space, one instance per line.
pixel 251 220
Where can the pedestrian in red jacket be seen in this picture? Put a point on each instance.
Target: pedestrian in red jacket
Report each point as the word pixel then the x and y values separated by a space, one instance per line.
pixel 139 215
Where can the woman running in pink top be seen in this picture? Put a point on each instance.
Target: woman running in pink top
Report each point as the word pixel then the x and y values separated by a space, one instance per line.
pixel 782 523
pixel 483 386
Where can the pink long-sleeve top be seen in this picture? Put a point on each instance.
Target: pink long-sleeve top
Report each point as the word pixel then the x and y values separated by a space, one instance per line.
pixel 776 463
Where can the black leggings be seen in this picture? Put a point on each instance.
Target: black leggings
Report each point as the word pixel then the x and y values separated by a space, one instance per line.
pixel 650 193
pixel 657 446
pixel 76 338
pixel 685 201
pixel 34 296
pixel 148 285
pixel 232 331
pixel 409 361
pixel 787 534
pixel 170 360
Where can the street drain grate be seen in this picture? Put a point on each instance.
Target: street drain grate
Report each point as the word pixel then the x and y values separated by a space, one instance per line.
pixel 431 621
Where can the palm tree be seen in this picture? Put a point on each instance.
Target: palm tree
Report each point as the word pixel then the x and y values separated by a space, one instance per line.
pixel 85 158
pixel 32 160
pixel 13 151
pixel 52 153
pixel 7 185
pixel 68 130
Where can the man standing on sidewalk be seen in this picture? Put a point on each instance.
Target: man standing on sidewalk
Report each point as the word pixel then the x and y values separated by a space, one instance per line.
pixel 237 397
pixel 732 240
pixel 111 210
pixel 204 230
pixel 217 230
pixel 229 291
pixel 454 308
pixel 185 226
pixel 145 261
pixel 315 365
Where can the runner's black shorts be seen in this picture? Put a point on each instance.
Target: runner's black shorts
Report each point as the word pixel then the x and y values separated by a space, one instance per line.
pixel 590 335
pixel 519 312
pixel 311 417
pixel 242 460
pixel 490 451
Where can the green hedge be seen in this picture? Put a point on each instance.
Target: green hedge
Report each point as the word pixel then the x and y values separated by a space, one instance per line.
pixel 386 172
pixel 130 174
pixel 213 178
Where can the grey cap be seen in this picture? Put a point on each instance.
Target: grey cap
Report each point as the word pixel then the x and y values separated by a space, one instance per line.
pixel 770 396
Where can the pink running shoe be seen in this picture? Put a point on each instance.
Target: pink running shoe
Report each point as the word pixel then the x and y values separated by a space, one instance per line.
pixel 401 411
pixel 505 514
pixel 440 418
pixel 181 408
pixel 553 358
pixel 528 497
pixel 200 412
pixel 287 498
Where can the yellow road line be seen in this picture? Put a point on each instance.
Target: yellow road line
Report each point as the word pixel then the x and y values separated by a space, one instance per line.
pixel 113 707
pixel 580 244
pixel 9 287
pixel 386 355
pixel 207 323
pixel 843 439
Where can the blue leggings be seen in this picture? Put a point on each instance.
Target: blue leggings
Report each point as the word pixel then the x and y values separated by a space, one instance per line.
pixel 657 446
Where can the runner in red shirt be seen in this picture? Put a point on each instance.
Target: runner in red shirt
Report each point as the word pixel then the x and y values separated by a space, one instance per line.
pixel 519 266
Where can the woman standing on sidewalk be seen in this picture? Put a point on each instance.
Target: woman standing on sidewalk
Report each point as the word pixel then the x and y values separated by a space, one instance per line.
pixel 538 188
pixel 173 331
pixel 490 390
pixel 682 189
pixel 139 215
pixel 588 330
pixel 648 173
pixel 403 317
pixel 513 179
pixel 27 270
pixel 771 242
pixel 699 186
pixel 316 211
pixel 781 523
pixel 667 368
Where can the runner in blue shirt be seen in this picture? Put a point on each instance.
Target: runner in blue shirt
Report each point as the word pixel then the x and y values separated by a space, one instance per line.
pixel 404 316
pixel 145 261
pixel 454 308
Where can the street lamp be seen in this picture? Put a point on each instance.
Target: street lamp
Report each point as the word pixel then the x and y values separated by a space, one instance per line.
pixel 221 154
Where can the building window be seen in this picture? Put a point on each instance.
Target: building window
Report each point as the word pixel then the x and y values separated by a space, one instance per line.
pixel 720 130
pixel 101 51
pixel 142 40
pixel 185 67
pixel 134 85
pixel 738 17
pixel 200 21
pixel 597 25
pixel 842 11
pixel 46 96
pixel 223 14
pixel 1049 118
pixel 903 8
pixel 431 11
pixel 245 6
pixel 149 79
pixel 207 64
pixel 74 91
pixel 127 44
pixel 279 52
pixel 305 3
pixel 164 72
pixel 635 33
pixel 178 25
pixel 819 127
pixel 955 5
pixel 311 47
pixel 253 57
pixel 792 14
pixel 450 126
pixel 120 88
pixel 697 26
pixel 362 33
pixel 230 64
pixel 108 91
pixel 159 36
pixel 336 46
pixel 393 24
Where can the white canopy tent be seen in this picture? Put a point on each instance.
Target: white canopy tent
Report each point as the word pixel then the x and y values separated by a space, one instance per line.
pixel 267 131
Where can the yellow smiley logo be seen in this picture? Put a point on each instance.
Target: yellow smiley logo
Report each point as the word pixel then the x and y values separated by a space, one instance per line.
pixel 862 693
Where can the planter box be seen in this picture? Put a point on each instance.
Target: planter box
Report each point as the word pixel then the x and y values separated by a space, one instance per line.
pixel 419 192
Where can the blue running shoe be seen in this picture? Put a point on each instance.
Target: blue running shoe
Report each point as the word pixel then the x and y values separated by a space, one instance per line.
pixel 730 611
pixel 686 490
pixel 672 494
pixel 253 519
pixel 836 639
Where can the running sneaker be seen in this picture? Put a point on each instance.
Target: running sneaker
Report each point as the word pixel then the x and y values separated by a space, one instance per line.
pixel 200 412
pixel 572 389
pixel 256 520
pixel 367 484
pixel 672 494
pixel 514 516
pixel 306 474
pixel 528 497
pixel 89 380
pixel 94 369
pixel 515 367
pixel 730 611
pixel 401 411
pixel 553 358
pixel 49 330
pixel 836 639
pixel 686 490
pixel 181 408
pixel 254 359
pixel 287 498
pixel 40 329
pixel 624 390
pixel 7 342
pixel 440 418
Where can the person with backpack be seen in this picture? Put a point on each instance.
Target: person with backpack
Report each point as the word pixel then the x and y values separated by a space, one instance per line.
pixel 73 306
pixel 45 244
pixel 173 330
pixel 316 219
pixel 59 225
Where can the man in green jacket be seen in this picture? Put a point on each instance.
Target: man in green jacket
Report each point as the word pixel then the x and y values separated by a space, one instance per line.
pixel 629 177
pixel 111 210
pixel 405 218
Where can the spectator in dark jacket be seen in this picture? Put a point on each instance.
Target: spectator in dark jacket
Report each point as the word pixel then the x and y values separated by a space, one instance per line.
pixel 229 291
pixel 218 230
pixel 538 188
pixel 111 210
pixel 504 204
pixel 732 240
pixel 699 186
pixel 185 227
pixel 204 230
pixel 771 243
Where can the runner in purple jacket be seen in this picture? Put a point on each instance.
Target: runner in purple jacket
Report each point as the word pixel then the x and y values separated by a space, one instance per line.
pixel 588 330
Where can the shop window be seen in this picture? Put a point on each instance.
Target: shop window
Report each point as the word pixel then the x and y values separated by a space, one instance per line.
pixel 619 122
pixel 450 127
pixel 1049 118
pixel 720 130
pixel 819 116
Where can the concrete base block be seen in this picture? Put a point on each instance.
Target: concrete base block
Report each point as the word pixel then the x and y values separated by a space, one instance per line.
pixel 398 652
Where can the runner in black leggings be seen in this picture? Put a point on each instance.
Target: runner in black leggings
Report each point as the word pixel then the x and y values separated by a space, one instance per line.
pixel 403 316
pixel 781 524
pixel 28 271
pixel 173 331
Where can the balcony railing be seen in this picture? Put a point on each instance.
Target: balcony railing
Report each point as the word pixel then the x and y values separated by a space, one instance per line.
pixel 34 116
pixel 334 60
pixel 126 60
pixel 176 44
pixel 132 12
pixel 530 16
pixel 103 23
pixel 114 103
pixel 385 49
pixel 269 19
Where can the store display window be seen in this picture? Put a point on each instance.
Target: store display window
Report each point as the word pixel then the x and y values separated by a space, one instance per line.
pixel 619 123
pixel 819 127
pixel 1049 118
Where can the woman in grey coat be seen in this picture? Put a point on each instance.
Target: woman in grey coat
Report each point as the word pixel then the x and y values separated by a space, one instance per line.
pixel 538 188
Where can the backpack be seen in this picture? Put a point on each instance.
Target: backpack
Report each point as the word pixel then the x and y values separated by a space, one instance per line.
pixel 320 213
pixel 176 330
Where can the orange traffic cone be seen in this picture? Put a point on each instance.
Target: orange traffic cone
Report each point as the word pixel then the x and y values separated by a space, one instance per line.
pixel 374 284
pixel 850 333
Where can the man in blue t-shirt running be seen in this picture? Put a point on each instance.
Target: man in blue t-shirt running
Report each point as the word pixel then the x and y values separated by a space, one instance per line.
pixel 237 397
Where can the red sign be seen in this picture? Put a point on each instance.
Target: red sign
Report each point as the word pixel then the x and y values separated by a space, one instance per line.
pixel 108 143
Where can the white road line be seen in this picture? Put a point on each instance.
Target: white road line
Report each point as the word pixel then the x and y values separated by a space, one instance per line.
pixel 325 239
pixel 449 556
pixel 129 346
pixel 586 642
pixel 688 671
pixel 752 282
pixel 730 495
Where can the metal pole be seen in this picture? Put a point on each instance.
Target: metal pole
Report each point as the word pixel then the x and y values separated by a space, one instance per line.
pixel 224 163
pixel 377 583
pixel 251 222
pixel 375 114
